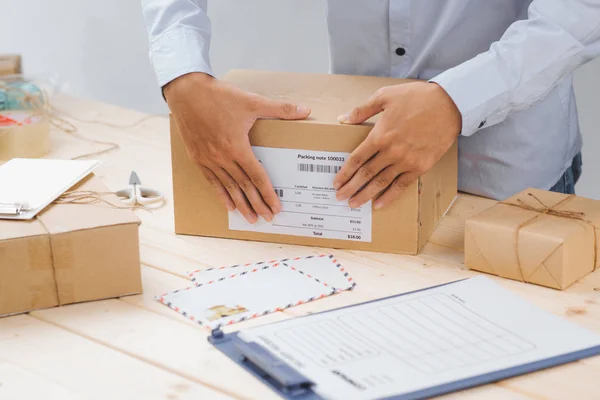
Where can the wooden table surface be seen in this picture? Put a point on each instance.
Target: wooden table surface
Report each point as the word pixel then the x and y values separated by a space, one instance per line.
pixel 136 348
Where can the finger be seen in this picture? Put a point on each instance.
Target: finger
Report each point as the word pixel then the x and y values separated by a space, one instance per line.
pixel 394 191
pixel 217 186
pixel 257 174
pixel 363 176
pixel 278 109
pixel 251 192
pixel 363 153
pixel 236 194
pixel 376 186
pixel 363 112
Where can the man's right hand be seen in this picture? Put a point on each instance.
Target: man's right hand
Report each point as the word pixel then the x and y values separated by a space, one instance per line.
pixel 214 119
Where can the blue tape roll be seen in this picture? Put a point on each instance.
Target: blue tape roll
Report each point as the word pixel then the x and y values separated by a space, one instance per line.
pixel 14 96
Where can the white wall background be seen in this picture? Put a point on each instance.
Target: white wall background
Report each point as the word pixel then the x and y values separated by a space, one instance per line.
pixel 98 49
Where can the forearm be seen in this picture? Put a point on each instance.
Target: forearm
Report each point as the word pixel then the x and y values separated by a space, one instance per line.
pixel 179 36
pixel 530 59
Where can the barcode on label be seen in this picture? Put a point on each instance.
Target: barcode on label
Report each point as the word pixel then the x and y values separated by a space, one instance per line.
pixel 319 168
pixel 279 192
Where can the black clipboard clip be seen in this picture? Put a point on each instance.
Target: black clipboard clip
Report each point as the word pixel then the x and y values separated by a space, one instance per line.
pixel 269 367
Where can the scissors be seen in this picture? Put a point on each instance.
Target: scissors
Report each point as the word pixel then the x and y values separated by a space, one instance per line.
pixel 138 194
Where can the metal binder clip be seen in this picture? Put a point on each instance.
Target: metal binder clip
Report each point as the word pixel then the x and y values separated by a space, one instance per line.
pixel 11 209
pixel 272 369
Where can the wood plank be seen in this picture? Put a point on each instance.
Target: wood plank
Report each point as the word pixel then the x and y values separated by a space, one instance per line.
pixel 179 348
pixel 574 381
pixel 18 383
pixel 488 392
pixel 89 368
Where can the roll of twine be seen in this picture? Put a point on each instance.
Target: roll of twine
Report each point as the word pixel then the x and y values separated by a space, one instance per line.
pixel 40 105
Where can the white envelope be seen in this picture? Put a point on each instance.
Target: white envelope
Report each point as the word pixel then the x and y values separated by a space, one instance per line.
pixel 226 295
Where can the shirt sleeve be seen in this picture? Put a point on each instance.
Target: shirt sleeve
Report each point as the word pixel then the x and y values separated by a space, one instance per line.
pixel 179 37
pixel 530 59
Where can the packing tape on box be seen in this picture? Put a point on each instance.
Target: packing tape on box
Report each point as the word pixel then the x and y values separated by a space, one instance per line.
pixel 23 134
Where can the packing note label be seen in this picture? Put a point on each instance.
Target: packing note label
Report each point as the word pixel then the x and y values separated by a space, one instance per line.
pixel 303 180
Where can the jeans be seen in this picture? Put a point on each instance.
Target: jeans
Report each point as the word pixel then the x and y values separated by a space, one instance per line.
pixel 566 184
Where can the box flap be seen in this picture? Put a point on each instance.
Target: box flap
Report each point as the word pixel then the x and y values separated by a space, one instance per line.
pixel 329 96
pixel 61 218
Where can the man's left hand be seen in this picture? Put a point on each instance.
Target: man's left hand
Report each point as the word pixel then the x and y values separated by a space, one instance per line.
pixel 419 123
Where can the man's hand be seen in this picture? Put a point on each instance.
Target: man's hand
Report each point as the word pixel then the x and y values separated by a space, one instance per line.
pixel 420 122
pixel 214 120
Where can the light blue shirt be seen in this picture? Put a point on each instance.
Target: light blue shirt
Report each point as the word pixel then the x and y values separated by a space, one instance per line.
pixel 507 64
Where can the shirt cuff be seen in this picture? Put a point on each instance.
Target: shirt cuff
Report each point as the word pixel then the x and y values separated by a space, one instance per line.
pixel 479 92
pixel 179 52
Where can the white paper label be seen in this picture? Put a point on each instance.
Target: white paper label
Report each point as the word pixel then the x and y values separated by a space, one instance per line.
pixel 303 180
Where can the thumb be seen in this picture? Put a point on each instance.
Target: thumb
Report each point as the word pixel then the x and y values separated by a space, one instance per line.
pixel 278 109
pixel 362 113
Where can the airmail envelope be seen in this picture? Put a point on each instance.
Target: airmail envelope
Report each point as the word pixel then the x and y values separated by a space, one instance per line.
pixel 226 295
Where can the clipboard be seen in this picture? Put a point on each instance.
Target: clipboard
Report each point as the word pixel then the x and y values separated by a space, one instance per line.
pixel 29 185
pixel 290 383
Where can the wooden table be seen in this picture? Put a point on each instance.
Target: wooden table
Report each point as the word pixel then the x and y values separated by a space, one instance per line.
pixel 136 348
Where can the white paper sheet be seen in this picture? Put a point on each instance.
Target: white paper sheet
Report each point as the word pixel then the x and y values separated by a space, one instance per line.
pixel 236 293
pixel 35 183
pixel 408 343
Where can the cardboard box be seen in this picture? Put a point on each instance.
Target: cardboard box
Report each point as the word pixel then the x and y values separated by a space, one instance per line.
pixel 70 253
pixel 10 64
pixel 402 228
pixel 540 237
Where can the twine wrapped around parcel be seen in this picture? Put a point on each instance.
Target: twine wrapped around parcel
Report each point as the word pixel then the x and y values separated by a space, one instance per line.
pixel 549 210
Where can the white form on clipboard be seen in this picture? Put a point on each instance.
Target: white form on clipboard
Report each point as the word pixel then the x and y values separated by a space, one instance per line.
pixel 410 346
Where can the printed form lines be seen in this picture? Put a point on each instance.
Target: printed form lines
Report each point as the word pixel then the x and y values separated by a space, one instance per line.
pixel 343 346
pixel 432 335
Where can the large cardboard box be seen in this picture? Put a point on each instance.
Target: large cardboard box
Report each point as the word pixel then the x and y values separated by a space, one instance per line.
pixel 301 158
pixel 546 238
pixel 70 253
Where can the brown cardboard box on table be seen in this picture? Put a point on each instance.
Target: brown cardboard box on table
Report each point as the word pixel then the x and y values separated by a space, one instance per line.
pixel 402 228
pixel 546 238
pixel 10 64
pixel 69 253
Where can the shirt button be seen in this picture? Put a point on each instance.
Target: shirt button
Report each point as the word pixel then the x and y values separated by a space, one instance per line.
pixel 400 51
